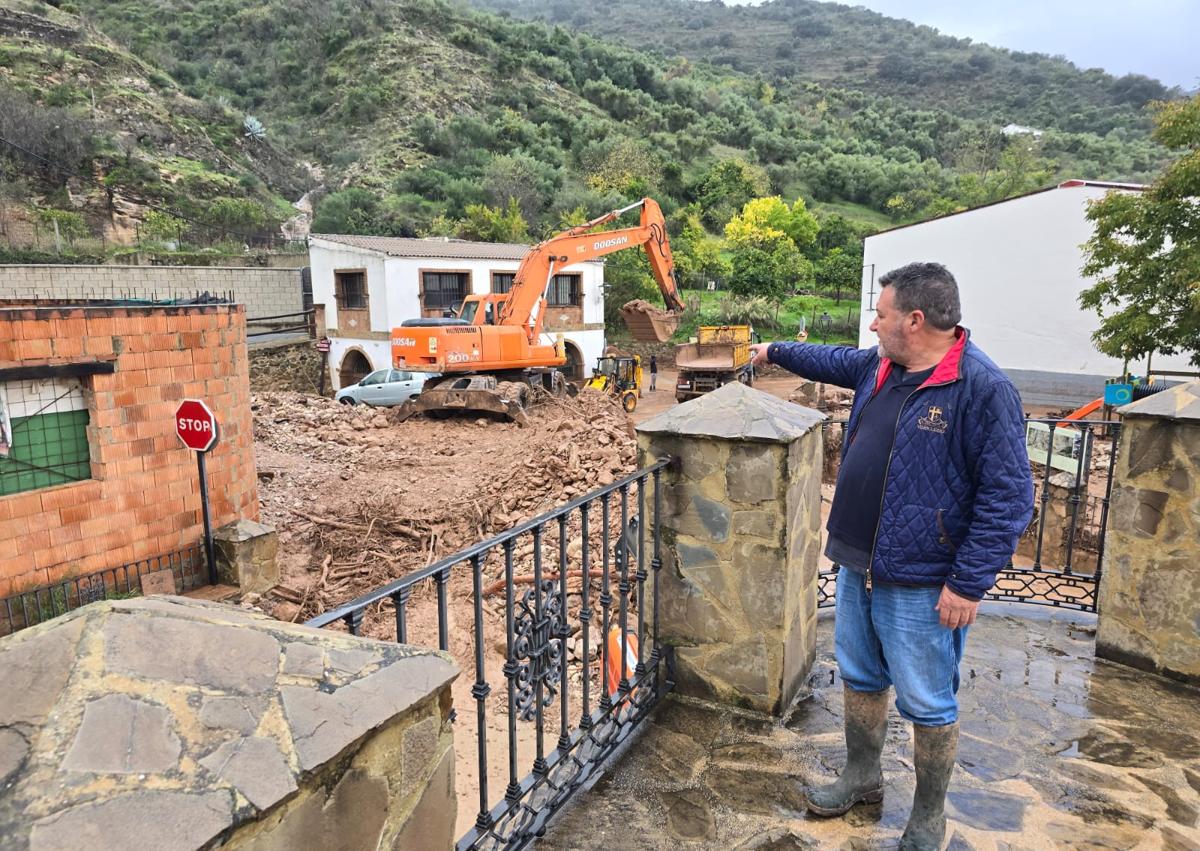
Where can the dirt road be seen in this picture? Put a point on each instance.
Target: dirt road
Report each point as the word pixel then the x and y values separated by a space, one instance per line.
pixel 777 383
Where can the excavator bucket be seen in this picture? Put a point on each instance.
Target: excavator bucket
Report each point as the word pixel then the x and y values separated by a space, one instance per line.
pixel 648 323
pixel 471 394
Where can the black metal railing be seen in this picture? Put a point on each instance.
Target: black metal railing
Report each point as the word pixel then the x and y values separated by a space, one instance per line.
pixel 537 663
pixel 1058 562
pixel 40 604
pixel 300 321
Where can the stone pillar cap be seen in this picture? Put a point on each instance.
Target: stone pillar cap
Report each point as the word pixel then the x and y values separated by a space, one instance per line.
pixel 172 720
pixel 736 412
pixel 241 530
pixel 1181 402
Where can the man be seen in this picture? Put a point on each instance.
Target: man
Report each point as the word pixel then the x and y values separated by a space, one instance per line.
pixel 933 492
pixel 653 372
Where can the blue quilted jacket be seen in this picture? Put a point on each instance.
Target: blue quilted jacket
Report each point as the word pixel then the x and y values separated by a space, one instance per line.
pixel 958 491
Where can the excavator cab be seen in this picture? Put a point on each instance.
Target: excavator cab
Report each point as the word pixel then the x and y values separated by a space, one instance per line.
pixel 621 376
pixel 482 309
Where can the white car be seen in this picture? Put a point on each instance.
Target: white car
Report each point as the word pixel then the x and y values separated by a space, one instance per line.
pixel 384 387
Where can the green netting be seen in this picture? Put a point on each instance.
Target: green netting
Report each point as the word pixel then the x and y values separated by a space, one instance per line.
pixel 47 449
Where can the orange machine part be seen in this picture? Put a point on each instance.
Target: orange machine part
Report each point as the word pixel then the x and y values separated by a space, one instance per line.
pixel 612 656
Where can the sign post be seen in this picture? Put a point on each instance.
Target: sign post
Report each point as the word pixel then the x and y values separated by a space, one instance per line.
pixel 196 426
pixel 323 347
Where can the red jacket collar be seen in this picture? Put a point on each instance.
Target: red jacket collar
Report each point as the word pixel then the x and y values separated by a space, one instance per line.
pixel 949 368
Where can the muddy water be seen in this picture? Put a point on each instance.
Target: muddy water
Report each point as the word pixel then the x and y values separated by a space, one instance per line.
pixel 1058 750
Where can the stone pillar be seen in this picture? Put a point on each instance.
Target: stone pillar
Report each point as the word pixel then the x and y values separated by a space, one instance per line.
pixel 1150 586
pixel 246 555
pixel 741 533
pixel 165 722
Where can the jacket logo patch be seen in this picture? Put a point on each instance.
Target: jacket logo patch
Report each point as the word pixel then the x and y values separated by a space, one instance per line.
pixel 933 421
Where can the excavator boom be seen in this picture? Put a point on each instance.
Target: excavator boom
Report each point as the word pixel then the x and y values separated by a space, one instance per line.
pixel 583 243
pixel 495 346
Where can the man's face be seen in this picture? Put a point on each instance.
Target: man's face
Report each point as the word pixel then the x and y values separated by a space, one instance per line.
pixel 892 326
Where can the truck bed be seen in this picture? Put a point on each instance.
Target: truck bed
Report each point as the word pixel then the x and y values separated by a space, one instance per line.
pixel 712 357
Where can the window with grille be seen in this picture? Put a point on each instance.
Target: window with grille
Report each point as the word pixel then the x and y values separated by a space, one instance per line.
pixel 43 434
pixel 565 291
pixel 502 281
pixel 443 290
pixel 350 290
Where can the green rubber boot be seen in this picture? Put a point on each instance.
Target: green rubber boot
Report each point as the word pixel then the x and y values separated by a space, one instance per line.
pixel 862 779
pixel 934 749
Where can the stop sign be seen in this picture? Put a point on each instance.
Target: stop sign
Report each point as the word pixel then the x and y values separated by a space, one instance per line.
pixel 196 425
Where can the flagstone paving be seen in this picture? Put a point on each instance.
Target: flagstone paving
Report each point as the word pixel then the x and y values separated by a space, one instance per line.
pixel 1058 750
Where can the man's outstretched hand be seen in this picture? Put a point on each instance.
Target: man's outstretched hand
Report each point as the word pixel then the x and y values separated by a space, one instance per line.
pixel 758 353
pixel 955 611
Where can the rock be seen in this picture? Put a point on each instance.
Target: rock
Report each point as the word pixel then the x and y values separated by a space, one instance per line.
pixel 255 767
pixel 689 817
pixel 285 611
pixel 240 714
pixel 304 660
pixel 324 724
pixel 157 820
pixel 13 750
pixel 120 735
pixel 986 810
pixel 32 684
pixel 132 645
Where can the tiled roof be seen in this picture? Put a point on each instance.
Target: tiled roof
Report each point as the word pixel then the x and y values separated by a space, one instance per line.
pixel 395 246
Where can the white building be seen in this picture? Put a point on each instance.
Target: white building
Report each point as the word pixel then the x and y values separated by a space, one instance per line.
pixel 370 284
pixel 1018 264
pixel 1020 130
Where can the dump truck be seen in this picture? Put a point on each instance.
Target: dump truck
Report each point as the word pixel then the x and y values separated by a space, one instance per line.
pixel 721 354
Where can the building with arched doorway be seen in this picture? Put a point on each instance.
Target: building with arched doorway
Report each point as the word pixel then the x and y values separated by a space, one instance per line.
pixel 370 284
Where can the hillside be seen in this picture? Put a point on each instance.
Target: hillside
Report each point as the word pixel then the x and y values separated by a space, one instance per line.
pixel 97 139
pixel 425 117
pixel 855 48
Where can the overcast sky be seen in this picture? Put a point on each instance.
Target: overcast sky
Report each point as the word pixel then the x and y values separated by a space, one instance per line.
pixel 1158 38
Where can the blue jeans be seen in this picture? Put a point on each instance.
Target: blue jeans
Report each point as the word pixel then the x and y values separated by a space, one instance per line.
pixel 892 637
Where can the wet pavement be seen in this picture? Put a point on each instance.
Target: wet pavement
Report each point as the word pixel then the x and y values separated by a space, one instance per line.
pixel 1058 750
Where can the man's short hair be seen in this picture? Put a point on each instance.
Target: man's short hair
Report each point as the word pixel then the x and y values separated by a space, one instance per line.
pixel 929 288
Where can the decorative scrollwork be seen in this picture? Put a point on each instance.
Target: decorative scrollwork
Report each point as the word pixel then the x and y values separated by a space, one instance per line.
pixel 1013 585
pixel 537 648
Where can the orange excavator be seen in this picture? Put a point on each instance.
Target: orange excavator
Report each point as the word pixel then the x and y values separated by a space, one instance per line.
pixel 492 355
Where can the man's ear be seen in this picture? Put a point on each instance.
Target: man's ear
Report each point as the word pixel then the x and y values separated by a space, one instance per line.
pixel 915 320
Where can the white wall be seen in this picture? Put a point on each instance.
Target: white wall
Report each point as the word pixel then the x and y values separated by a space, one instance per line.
pixel 324 258
pixel 393 284
pixel 1018 269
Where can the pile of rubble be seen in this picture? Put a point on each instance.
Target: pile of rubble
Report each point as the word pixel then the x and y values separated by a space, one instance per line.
pixel 835 402
pixel 362 499
pixel 293 367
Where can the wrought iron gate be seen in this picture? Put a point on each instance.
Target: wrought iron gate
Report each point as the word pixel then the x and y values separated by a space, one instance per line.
pixel 1059 558
pixel 539 625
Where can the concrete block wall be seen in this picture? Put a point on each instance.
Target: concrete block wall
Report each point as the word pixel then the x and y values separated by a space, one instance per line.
pixel 264 292
pixel 143 498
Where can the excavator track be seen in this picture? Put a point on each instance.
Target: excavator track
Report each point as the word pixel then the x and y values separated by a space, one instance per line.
pixel 472 394
pixel 476 394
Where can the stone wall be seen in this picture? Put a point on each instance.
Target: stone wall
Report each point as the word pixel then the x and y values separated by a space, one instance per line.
pixel 169 723
pixel 142 498
pixel 741 529
pixel 264 292
pixel 1150 586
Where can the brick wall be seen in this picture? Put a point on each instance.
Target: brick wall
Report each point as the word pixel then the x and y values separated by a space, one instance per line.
pixel 265 292
pixel 143 498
